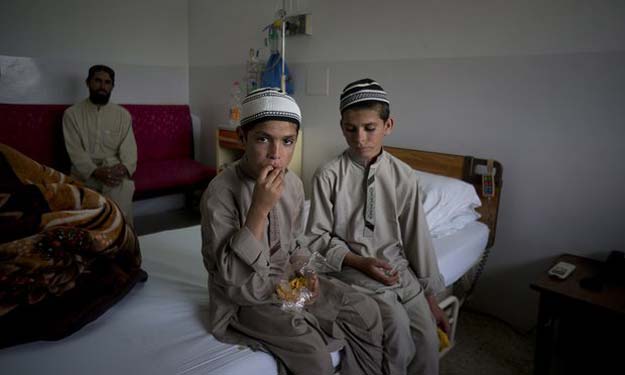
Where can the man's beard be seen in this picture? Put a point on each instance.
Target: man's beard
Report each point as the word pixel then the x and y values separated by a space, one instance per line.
pixel 98 98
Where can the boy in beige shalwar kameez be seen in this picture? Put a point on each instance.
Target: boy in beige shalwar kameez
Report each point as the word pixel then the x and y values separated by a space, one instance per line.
pixel 366 218
pixel 252 216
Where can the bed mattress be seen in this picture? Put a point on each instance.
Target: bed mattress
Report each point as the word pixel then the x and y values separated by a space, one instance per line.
pixel 157 328
pixel 459 251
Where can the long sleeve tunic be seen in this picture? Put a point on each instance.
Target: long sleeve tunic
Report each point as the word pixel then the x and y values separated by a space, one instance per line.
pixel 373 211
pixel 97 137
pixel 240 268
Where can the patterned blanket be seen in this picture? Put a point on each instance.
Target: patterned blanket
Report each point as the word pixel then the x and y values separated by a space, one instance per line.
pixel 57 236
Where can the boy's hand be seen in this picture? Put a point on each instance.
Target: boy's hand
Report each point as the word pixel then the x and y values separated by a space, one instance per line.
pixel 313 287
pixel 268 189
pixel 267 192
pixel 375 268
pixel 439 315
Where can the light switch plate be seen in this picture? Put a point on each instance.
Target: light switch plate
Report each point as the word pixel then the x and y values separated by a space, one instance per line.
pixel 318 81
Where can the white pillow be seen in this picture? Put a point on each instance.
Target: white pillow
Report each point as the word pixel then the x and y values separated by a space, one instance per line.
pixel 449 203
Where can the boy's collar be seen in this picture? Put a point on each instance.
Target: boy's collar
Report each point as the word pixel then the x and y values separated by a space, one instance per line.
pixel 363 163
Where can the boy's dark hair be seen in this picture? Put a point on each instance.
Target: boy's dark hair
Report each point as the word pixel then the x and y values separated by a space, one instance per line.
pixel 101 68
pixel 383 109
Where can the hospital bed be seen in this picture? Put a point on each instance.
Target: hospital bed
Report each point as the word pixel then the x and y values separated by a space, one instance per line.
pixel 160 328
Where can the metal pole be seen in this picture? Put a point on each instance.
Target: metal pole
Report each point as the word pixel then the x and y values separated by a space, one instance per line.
pixel 283 77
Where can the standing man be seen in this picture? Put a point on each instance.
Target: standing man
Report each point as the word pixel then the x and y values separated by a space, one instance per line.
pixel 100 142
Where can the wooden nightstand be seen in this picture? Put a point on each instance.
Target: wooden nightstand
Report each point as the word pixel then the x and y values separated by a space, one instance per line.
pixel 229 149
pixel 582 330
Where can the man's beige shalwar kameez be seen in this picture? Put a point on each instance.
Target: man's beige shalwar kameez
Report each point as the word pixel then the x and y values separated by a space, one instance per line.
pixel 101 136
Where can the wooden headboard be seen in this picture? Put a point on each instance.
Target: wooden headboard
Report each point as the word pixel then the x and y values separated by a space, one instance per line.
pixel 461 167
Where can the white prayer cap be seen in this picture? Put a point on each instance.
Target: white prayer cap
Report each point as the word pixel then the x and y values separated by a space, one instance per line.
pixel 269 104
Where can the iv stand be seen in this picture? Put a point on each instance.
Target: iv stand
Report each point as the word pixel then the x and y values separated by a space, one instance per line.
pixel 282 13
pixel 283 78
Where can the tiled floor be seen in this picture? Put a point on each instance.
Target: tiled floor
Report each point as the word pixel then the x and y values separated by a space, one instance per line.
pixel 486 345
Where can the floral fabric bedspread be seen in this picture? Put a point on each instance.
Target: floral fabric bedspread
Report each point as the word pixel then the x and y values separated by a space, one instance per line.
pixel 53 231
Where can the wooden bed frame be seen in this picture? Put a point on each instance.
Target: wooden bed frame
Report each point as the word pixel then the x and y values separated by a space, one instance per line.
pixel 464 168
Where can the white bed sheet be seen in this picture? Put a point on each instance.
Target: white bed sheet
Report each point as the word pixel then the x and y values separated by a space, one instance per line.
pixel 459 251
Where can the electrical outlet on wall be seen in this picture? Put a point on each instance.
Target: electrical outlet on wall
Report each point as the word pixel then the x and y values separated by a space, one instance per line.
pixel 300 24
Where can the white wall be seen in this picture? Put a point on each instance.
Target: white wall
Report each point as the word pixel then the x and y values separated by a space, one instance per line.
pixel 220 36
pixel 46 48
pixel 538 85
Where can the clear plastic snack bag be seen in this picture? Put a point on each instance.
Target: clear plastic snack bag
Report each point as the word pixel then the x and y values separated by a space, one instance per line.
pixel 299 285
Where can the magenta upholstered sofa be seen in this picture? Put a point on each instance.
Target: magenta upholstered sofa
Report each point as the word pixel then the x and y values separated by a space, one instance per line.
pixel 164 144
